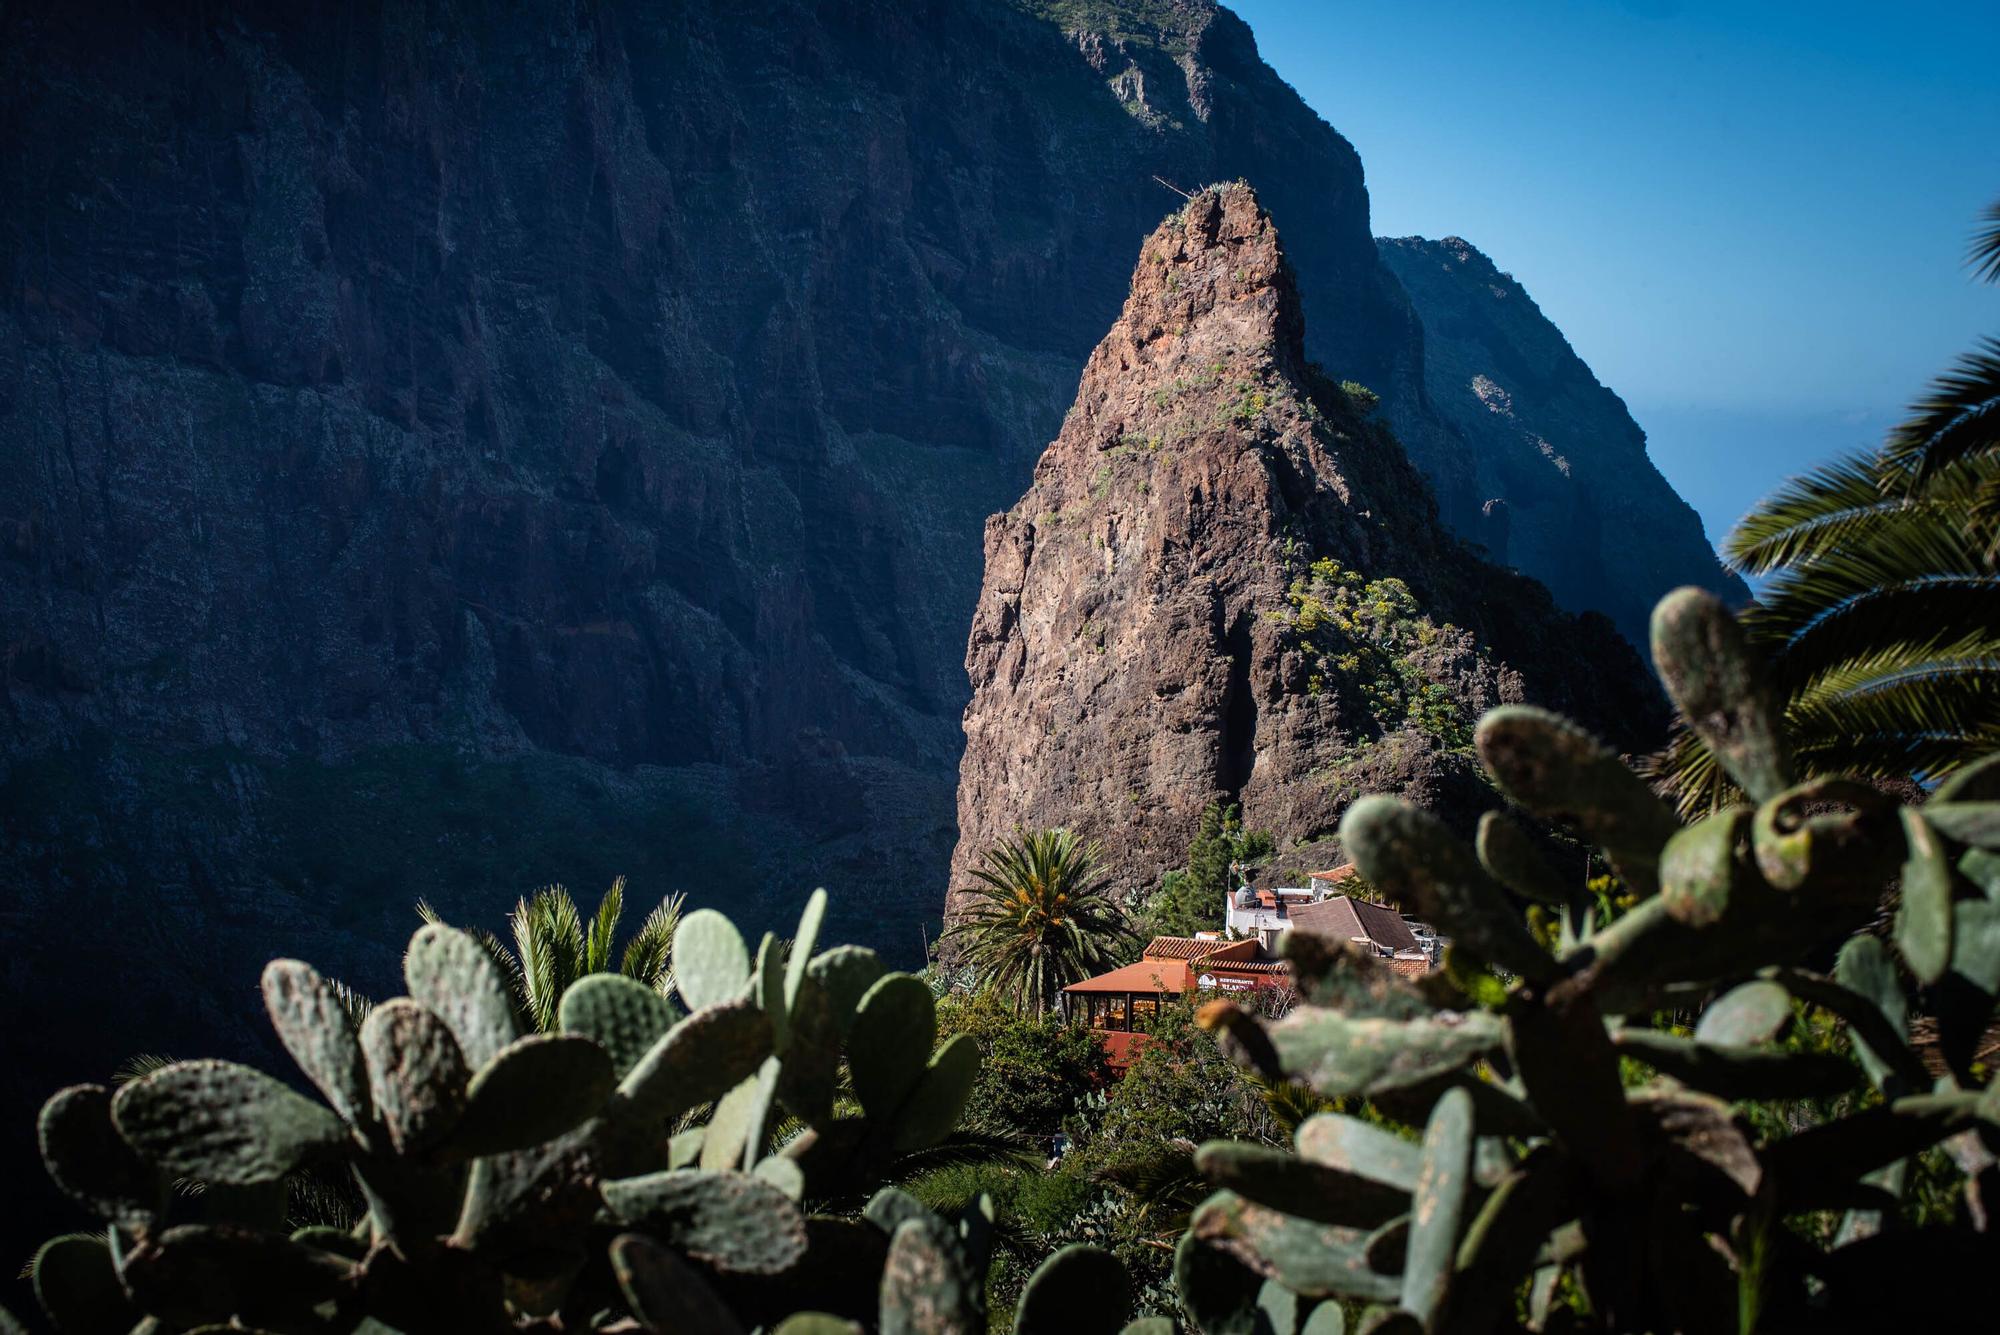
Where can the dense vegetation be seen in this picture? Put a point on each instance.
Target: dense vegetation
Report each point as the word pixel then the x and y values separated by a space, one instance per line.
pixel 1658 1118
pixel 1189 899
pixel 1039 918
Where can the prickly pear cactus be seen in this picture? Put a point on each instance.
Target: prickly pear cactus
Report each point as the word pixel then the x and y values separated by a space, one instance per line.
pixel 1585 1162
pixel 628 1172
pixel 1585 1103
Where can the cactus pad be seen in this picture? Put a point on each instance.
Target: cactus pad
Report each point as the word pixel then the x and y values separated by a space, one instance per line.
pixel 318 1032
pixel 896 1023
pixel 736 1222
pixel 89 1160
pixel 666 1294
pixel 535 1089
pixel 933 1107
pixel 416 1072
pixel 621 1015
pixel 218 1122
pixel 711 963
pixel 1080 1288
pixel 452 974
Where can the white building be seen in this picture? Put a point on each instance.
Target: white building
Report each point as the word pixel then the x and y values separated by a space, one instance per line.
pixel 1322 909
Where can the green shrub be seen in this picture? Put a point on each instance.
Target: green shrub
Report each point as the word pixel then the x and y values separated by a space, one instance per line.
pixel 1032 1069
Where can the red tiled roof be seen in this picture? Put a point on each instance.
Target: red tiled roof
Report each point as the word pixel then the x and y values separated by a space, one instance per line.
pixel 1178 948
pixel 1343 919
pixel 1411 968
pixel 1189 948
pixel 1145 976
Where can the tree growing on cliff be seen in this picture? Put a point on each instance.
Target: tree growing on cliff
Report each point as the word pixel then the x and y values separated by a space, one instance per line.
pixel 1190 900
pixel 1040 918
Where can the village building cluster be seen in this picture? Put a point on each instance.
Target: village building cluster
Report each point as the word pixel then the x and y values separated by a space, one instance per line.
pixel 1244 957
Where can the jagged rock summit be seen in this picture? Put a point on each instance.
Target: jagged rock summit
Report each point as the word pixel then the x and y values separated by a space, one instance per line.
pixel 1550 472
pixel 1228 582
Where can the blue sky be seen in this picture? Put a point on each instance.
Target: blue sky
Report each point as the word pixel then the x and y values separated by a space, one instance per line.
pixel 1749 218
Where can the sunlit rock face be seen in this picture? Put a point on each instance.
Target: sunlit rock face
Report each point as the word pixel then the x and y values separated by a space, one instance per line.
pixel 1227 583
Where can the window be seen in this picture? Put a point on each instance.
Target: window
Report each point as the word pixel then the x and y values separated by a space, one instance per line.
pixel 1107 1012
pixel 1145 1010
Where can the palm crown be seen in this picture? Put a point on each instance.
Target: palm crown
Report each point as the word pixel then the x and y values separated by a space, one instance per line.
pixel 554 946
pixel 1040 917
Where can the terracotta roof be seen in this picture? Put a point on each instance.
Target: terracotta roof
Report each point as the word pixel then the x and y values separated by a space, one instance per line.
pixel 1145 976
pixel 1344 919
pixel 1177 948
pixel 1213 964
pixel 1189 948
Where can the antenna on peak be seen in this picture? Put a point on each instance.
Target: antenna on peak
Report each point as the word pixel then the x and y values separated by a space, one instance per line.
pixel 1171 186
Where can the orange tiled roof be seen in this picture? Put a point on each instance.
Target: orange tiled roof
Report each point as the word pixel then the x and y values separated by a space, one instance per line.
pixel 1180 948
pixel 1411 968
pixel 1145 976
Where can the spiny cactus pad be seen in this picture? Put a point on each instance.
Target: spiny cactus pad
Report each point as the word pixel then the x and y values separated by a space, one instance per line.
pixel 89 1159
pixel 416 1073
pixel 533 1090
pixel 217 1122
pixel 621 1015
pixel 452 974
pixel 736 1222
pixel 711 963
pixel 318 1032
pixel 900 1019
pixel 1079 1288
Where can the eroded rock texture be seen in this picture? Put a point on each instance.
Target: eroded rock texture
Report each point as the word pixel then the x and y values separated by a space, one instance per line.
pixel 447 448
pixel 1549 472
pixel 1228 583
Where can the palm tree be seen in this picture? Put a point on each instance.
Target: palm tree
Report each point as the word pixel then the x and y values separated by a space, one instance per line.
pixel 1040 918
pixel 553 946
pixel 1880 614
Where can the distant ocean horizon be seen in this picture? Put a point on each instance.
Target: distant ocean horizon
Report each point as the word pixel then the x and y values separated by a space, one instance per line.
pixel 1722 460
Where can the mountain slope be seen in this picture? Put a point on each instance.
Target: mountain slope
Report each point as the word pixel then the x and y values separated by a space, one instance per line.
pixel 448 449
pixel 1227 583
pixel 1553 476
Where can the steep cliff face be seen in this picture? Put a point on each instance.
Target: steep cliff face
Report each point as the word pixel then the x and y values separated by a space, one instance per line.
pixel 1227 582
pixel 449 448
pixel 446 449
pixel 1550 472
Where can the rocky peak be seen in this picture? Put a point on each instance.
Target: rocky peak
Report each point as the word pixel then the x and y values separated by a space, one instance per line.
pixel 1227 583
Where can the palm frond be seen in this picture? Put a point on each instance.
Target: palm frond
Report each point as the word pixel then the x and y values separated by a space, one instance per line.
pixel 649 954
pixel 1809 514
pixel 138 1066
pixel 1958 419
pixel 963 1148
pixel 1985 252
pixel 549 943
pixel 356 1005
pixel 604 927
